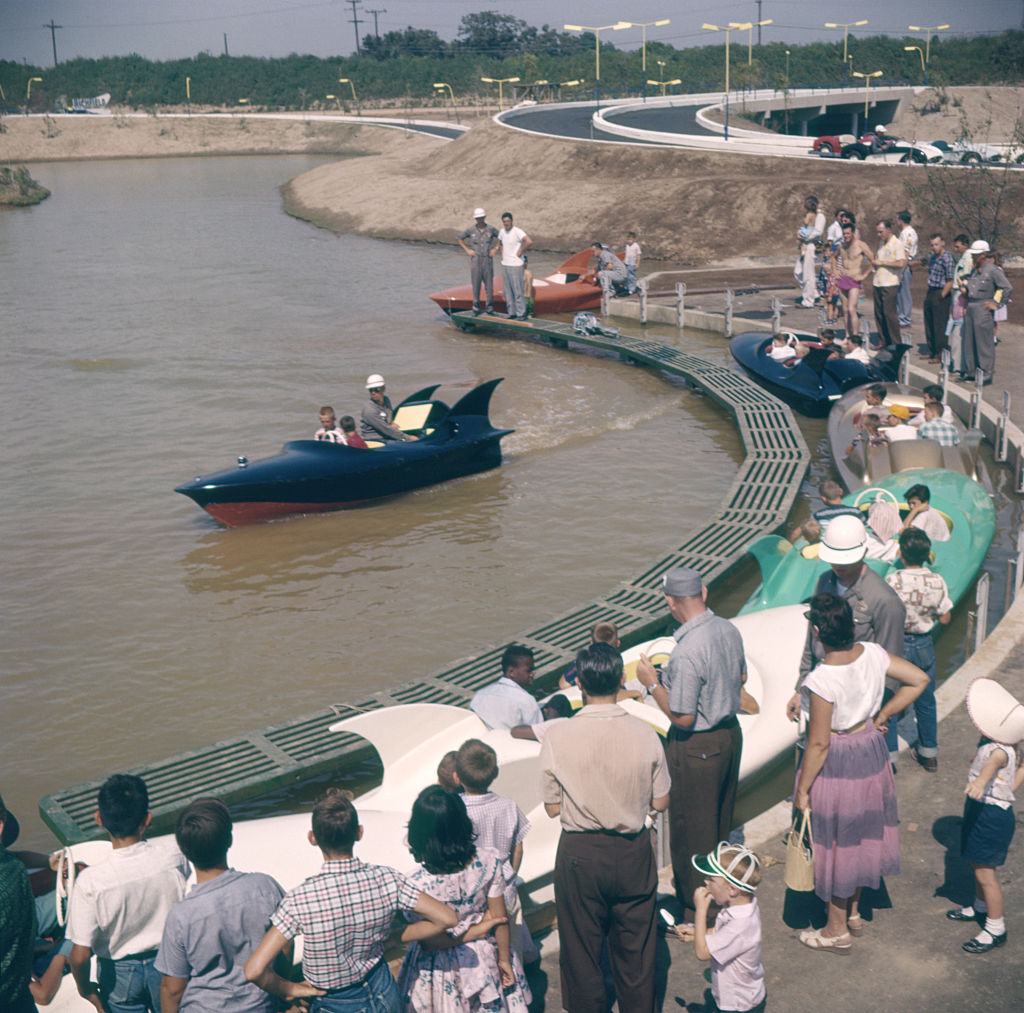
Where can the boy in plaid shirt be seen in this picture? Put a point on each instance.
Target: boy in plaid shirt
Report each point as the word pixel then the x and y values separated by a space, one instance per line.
pixel 345 914
pixel 926 598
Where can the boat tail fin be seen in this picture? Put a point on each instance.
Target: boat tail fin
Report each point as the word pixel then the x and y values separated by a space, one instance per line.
pixel 477 401
pixel 886 364
pixel 577 264
pixel 421 395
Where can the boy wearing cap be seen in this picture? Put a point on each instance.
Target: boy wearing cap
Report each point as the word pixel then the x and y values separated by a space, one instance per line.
pixel 480 241
pixel 988 824
pixel 731 874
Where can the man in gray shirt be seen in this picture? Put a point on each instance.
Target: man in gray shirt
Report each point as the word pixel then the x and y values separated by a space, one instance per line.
pixel 480 241
pixel 375 422
pixel 700 694
pixel 987 289
pixel 879 614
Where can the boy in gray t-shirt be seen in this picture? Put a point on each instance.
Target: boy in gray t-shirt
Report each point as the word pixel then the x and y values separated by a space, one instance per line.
pixel 209 935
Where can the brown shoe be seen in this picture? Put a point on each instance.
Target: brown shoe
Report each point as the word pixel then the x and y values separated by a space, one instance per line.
pixel 930 763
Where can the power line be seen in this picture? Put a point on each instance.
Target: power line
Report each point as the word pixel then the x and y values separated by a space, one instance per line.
pixel 53 38
pixel 356 22
pixel 383 10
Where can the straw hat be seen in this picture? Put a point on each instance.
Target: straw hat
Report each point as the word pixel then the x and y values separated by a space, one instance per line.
pixel 996 713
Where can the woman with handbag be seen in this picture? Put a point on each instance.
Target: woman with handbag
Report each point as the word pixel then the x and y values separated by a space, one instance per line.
pixel 846 780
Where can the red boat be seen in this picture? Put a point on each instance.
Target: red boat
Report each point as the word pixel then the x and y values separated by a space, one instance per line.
pixel 561 292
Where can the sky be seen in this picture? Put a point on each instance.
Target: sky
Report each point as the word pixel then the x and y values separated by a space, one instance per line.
pixel 173 29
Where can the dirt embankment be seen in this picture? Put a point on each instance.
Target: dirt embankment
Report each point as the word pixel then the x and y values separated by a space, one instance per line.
pixel 687 206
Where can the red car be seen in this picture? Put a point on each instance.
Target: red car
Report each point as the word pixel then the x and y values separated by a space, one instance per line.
pixel 831 145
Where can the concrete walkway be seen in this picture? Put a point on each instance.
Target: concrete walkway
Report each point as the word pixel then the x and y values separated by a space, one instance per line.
pixel 909 959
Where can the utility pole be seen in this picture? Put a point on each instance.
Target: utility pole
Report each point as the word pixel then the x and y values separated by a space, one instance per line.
pixel 225 43
pixel 383 10
pixel 759 22
pixel 356 22
pixel 53 38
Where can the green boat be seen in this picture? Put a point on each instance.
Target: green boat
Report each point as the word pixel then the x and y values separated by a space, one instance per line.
pixel 789 573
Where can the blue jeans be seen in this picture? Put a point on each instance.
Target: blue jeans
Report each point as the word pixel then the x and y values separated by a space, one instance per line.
pixel 631 278
pixel 512 284
pixel 378 994
pixel 919 650
pixel 130 986
pixel 903 298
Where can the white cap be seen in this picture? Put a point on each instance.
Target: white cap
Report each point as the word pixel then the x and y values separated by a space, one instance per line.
pixel 479 213
pixel 374 380
pixel 996 713
pixel 880 129
pixel 979 246
pixel 844 541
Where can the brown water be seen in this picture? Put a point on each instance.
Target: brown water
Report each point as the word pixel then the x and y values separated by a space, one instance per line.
pixel 162 317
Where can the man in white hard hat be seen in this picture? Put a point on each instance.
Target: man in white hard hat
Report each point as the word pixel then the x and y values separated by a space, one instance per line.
pixel 987 289
pixel 879 616
pixel 375 423
pixel 480 241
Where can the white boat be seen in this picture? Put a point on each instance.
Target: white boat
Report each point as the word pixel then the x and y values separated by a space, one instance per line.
pixel 96 106
pixel 412 739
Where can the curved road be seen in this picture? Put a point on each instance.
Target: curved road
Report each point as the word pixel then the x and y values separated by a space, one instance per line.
pixel 577 121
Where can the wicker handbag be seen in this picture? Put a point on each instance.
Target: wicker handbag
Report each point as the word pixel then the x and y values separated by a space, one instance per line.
pixel 800 854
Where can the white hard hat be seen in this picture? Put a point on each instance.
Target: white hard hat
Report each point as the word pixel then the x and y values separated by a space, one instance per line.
pixel 880 129
pixel 996 713
pixel 844 541
pixel 479 213
pixel 374 380
pixel 979 246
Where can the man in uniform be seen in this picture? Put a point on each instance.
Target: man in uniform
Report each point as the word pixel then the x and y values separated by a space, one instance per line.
pixel 700 694
pixel 377 416
pixel 986 290
pixel 602 773
pixel 879 615
pixel 480 241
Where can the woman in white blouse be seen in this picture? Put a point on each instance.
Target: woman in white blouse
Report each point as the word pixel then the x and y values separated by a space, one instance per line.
pixel 846 780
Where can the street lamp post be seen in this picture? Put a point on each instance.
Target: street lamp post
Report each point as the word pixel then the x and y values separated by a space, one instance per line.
pixel 867 89
pixel 348 81
pixel 846 31
pixel 643 46
pixel 741 25
pixel 751 25
pixel 597 46
pixel 440 86
pixel 188 94
pixel 499 81
pixel 28 93
pixel 928 37
pixel 920 52
pixel 787 93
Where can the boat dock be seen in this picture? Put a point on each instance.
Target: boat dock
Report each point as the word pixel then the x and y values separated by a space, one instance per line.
pixel 758 502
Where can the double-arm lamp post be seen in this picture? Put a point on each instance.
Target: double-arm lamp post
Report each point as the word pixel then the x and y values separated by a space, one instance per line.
pixel 597 46
pixel 643 46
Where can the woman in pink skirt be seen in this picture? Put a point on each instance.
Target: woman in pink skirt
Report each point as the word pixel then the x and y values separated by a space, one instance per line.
pixel 846 780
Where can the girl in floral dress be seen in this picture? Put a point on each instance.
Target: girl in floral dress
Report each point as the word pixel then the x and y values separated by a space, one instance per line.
pixel 463 971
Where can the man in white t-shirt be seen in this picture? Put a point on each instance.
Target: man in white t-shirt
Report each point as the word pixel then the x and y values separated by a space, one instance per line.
pixel 514 243
pixel 909 239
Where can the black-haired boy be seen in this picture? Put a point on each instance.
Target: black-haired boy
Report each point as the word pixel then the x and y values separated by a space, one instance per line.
pixel 119 906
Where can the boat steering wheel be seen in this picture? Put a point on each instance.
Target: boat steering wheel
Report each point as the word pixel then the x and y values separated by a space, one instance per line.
pixel 881 492
pixel 65 886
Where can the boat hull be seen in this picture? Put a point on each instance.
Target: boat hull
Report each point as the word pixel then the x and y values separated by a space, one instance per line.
pixel 309 476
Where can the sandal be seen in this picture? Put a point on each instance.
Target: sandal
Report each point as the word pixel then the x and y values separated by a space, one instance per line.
pixel 839 945
pixel 855 925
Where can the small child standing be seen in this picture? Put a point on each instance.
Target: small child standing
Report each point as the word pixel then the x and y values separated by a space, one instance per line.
pixel 926 598
pixel 500 826
pixel 632 261
pixel 996 774
pixel 733 946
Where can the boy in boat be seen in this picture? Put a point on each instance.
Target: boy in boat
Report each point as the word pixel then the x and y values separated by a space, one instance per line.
pixel 344 913
pixel 119 906
pixel 328 431
pixel 349 435
pixel 209 933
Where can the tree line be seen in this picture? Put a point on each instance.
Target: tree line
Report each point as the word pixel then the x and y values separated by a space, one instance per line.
pixel 404 66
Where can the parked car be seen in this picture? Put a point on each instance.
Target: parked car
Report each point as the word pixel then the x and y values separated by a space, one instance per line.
pixel 964 152
pixel 899 151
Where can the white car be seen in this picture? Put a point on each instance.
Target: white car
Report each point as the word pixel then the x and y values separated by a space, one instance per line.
pixel 965 152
